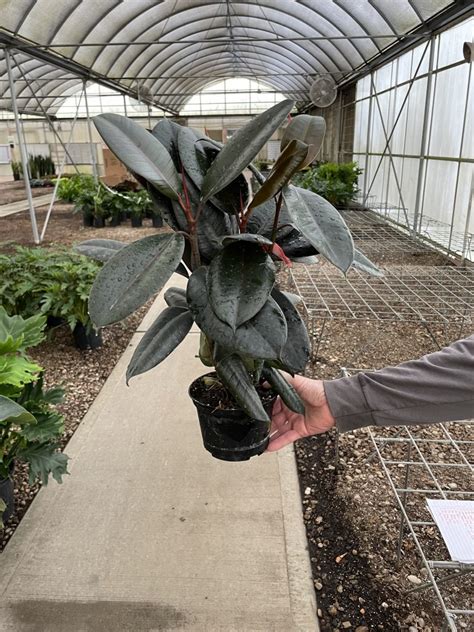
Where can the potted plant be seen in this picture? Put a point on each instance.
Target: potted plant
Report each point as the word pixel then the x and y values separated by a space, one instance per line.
pixel 29 425
pixel 225 244
pixel 337 182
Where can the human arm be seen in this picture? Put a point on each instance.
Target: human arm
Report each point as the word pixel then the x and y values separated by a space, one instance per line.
pixel 437 387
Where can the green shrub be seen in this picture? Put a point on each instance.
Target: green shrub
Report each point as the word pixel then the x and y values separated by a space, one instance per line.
pixel 51 282
pixel 70 189
pixel 335 182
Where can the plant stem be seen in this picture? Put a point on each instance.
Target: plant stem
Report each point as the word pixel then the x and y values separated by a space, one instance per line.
pixel 277 216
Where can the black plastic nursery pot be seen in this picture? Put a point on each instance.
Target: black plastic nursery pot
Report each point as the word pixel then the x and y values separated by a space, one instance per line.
pixel 86 337
pixel 99 222
pixel 88 220
pixel 229 434
pixel 137 222
pixel 156 221
pixel 114 220
pixel 6 494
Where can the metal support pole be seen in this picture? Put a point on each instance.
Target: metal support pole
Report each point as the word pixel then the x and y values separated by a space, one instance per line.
pixel 89 131
pixel 461 148
pixel 24 157
pixel 45 114
pixel 467 239
pixel 149 116
pixel 125 105
pixel 369 138
pixel 424 139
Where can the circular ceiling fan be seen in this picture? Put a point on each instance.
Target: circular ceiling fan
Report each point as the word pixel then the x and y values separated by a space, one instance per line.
pixel 323 91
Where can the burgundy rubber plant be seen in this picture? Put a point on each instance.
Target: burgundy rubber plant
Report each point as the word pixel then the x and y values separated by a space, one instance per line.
pixel 224 242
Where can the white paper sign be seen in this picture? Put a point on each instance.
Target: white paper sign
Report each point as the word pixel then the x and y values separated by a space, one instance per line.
pixel 455 520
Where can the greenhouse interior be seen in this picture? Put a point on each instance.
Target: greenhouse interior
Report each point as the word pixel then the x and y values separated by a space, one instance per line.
pixel 233 229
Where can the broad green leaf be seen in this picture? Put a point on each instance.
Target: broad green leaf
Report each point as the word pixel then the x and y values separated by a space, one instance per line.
pixel 310 260
pixel 164 206
pixel 48 425
pixel 132 276
pixel 140 151
pixel 166 333
pixel 239 282
pixel 166 132
pixel 28 332
pixel 362 263
pixel 234 376
pixel 309 129
pixel 99 249
pixel 242 148
pixel 295 354
pixel 16 370
pixel 288 162
pixel 322 226
pixel 263 336
pixel 295 299
pixel 10 410
pixel 43 460
pixel 187 148
pixel 284 390
pixel 175 297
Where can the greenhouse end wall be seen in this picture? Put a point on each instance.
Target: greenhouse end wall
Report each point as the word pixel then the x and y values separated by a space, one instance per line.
pixel 422 104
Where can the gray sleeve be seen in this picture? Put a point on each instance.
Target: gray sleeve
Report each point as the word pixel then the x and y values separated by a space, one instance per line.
pixel 437 387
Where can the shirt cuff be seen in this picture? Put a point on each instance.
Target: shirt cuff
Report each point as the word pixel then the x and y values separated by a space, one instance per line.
pixel 347 403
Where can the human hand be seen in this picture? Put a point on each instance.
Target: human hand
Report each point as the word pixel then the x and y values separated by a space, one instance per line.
pixel 288 426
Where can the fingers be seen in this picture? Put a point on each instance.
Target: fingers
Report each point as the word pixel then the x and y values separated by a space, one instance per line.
pixel 282 440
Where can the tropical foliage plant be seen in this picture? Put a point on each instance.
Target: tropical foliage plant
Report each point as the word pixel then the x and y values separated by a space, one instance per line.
pixel 29 424
pixel 52 282
pixel 225 242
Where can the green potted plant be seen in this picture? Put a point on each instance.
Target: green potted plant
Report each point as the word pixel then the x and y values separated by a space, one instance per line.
pixel 29 425
pixel 337 182
pixel 225 244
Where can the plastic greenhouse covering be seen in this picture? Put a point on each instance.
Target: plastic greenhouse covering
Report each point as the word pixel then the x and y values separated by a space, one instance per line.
pixel 171 49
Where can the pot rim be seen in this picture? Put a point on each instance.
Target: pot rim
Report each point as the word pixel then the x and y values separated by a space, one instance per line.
pixel 212 408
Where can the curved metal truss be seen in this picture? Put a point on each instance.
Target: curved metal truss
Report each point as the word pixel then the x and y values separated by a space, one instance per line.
pixel 183 45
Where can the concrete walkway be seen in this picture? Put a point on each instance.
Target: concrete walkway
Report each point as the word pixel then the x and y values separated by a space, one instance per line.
pixel 150 532
pixel 22 205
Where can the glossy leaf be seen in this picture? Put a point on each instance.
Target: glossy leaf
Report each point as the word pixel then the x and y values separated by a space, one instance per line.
pixel 132 276
pixel 322 226
pixel 295 354
pixel 10 410
pixel 164 207
pixel 264 336
pixel 43 460
pixel 309 260
pixel 362 263
pixel 287 393
pixel 175 297
pixel 261 220
pixel 248 237
pixel 296 245
pixel 309 129
pixel 288 162
pixel 242 148
pixel 100 249
pixel 239 282
pixel 234 376
pixel 166 333
pixel 140 151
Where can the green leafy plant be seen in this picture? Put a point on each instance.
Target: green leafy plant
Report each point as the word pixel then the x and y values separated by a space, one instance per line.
pixel 51 282
pixel 29 425
pixel 17 169
pixel 41 166
pixel 333 181
pixel 71 188
pixel 226 243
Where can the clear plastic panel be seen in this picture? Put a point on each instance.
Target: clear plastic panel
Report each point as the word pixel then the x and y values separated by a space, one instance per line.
pixel 451 43
pixel 400 14
pixel 439 190
pixel 414 121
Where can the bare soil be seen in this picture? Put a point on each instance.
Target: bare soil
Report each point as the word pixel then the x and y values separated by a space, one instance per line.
pixel 65 227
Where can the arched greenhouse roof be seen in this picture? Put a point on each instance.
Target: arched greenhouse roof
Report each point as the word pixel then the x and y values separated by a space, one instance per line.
pixel 171 49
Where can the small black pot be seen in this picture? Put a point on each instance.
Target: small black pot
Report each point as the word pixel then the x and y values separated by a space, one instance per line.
pixel 54 321
pixel 99 222
pixel 123 216
pixel 157 221
pixel 6 494
pixel 86 338
pixel 114 220
pixel 88 220
pixel 229 434
pixel 137 221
